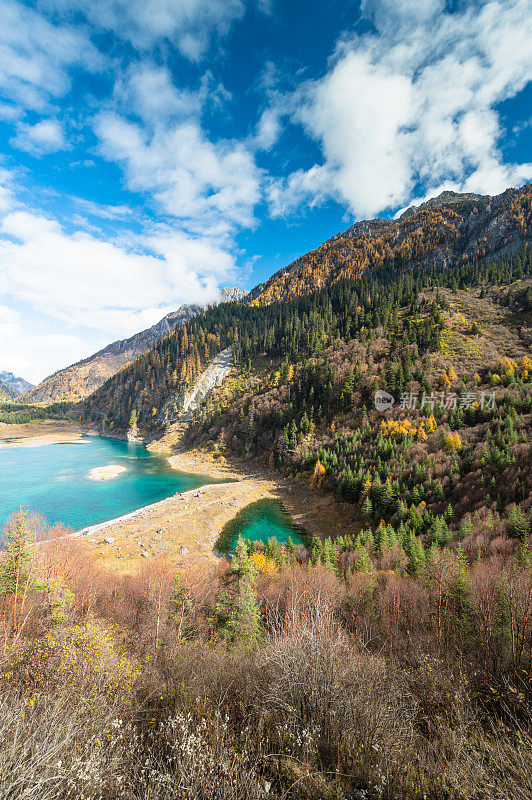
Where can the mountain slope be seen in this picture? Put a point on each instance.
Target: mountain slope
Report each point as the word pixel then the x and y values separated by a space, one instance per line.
pixel 341 290
pixel 7 392
pixel 81 379
pixel 449 229
pixel 18 385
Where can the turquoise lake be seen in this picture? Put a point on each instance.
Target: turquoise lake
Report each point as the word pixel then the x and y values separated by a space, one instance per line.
pixel 53 480
pixel 258 522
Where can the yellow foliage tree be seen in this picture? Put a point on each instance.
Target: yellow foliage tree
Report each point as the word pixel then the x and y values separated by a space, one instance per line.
pixel 508 366
pixel 452 442
pixel 430 424
pixel 317 476
pixel 265 565
pixel 421 434
pixel 445 382
pixel 397 428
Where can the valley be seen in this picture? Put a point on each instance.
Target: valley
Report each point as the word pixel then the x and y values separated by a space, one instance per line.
pixel 265 400
pixel 375 399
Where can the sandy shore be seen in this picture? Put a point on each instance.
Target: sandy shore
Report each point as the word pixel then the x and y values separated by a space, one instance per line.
pixel 40 432
pixel 184 528
pixel 107 473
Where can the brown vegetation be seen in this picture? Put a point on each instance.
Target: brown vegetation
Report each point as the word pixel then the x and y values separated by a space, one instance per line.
pixel 376 684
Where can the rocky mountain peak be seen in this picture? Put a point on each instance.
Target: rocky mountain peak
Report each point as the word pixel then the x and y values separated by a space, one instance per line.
pixel 18 385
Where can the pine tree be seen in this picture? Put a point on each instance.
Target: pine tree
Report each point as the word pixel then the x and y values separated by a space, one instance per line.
pixel 367 507
pixel 517 523
pixel 237 613
pixel 17 577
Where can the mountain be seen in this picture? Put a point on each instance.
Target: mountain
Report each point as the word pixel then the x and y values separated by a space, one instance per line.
pixel 449 229
pixel 81 379
pixel 231 294
pixel 343 289
pixel 19 385
pixel 7 392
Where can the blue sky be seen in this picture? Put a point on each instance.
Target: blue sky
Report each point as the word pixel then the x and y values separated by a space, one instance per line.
pixel 152 151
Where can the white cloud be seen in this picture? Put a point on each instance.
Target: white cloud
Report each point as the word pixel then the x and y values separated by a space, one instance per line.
pixel 268 129
pixel 305 187
pixel 101 210
pixel 187 24
pixel 205 184
pixel 412 105
pixel 32 355
pixel 36 56
pixel 76 276
pixel 45 136
pixel 149 91
pixel 78 280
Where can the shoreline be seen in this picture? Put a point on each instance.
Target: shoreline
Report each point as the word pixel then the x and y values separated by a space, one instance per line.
pixel 41 432
pixel 183 528
pixel 157 505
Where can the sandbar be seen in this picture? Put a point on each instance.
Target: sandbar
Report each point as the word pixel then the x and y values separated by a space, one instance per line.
pixel 107 473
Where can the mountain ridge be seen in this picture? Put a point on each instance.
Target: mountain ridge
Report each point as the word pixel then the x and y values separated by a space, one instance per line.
pixel 440 231
pixel 19 385
pixel 456 240
pixel 85 376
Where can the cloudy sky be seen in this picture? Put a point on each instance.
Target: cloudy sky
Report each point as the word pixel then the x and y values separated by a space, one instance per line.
pixel 154 150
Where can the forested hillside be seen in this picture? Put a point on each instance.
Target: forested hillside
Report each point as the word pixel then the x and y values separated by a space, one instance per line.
pixel 447 230
pixel 6 391
pixel 452 346
pixel 297 329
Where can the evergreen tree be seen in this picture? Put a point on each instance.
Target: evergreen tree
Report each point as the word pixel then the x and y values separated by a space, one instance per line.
pixel 237 613
pixel 517 523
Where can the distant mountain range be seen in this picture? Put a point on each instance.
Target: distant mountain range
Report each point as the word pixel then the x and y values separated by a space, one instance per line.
pixel 12 385
pixel 81 379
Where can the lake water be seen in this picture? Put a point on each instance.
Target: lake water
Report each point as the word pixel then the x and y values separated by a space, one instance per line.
pixel 258 522
pixel 53 480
